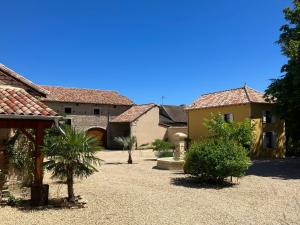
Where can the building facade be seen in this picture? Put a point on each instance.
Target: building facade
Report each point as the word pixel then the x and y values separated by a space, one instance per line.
pixel 87 110
pixel 237 105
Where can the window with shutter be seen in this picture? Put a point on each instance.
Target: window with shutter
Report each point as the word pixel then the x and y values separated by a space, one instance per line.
pixel 267 140
pixel 267 117
pixel 274 140
pixel 228 117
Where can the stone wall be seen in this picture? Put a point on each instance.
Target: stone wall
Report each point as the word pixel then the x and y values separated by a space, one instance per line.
pixel 82 115
pixel 147 128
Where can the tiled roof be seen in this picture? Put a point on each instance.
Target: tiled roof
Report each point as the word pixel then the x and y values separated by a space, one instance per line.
pixel 236 96
pixel 175 113
pixel 133 113
pixel 16 101
pixel 22 79
pixel 79 95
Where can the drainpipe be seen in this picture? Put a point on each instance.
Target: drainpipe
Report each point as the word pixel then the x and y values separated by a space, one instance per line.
pixel 56 121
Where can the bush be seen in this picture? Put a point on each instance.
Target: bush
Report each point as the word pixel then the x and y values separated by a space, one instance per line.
pixel 160 145
pixel 240 132
pixel 164 154
pixel 216 159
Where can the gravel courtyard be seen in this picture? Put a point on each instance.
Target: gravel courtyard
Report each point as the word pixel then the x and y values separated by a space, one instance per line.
pixel 138 194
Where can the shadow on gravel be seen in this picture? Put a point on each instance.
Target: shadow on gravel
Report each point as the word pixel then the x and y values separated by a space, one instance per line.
pixel 193 182
pixel 153 160
pixel 53 204
pixel 286 169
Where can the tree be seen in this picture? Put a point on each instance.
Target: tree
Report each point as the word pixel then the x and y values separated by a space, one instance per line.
pixel 240 132
pixel 285 90
pixel 71 155
pixel 127 143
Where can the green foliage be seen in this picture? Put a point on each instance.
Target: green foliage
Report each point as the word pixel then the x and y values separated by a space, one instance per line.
pixel 216 159
pixel 163 154
pixel 240 132
pixel 12 200
pixel 71 155
pixel 20 149
pixel 285 90
pixel 160 145
pixel 126 142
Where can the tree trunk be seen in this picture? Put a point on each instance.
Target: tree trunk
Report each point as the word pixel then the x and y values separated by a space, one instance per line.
pixel 70 182
pixel 129 158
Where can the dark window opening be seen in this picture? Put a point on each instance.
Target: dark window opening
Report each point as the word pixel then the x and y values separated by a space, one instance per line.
pixel 96 111
pixel 268 140
pixel 267 117
pixel 68 110
pixel 228 117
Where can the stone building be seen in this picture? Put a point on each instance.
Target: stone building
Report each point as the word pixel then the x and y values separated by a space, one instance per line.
pixel 86 109
pixel 149 122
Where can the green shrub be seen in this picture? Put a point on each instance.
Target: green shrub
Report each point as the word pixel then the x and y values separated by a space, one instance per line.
pixel 163 154
pixel 240 132
pixel 216 159
pixel 160 145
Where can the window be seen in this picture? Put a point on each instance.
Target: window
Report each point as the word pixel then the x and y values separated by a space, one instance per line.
pixel 228 117
pixel 96 111
pixel 268 117
pixel 68 122
pixel 269 140
pixel 68 110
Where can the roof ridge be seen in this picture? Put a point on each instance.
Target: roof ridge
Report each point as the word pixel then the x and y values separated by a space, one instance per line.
pixel 214 92
pixel 247 94
pixel 88 89
pixel 22 79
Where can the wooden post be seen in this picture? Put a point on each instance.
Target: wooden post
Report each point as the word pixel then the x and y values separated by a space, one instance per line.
pixel 38 155
pixel 39 192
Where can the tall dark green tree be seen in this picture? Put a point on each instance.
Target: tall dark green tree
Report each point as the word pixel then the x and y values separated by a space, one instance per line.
pixel 286 89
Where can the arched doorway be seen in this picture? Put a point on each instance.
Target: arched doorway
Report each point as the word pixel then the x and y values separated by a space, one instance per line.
pixel 99 133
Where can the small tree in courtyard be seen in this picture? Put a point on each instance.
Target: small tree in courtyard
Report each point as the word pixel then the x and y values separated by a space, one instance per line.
pixel 127 144
pixel 224 153
pixel 71 155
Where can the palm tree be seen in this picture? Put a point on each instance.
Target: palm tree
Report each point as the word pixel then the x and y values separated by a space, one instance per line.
pixel 71 155
pixel 127 143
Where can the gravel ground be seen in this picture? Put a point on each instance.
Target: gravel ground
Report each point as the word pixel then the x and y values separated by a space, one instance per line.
pixel 138 194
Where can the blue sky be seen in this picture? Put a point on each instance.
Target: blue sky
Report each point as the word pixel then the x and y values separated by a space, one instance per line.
pixel 179 49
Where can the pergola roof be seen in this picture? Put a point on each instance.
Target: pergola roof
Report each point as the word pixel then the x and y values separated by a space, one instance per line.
pixel 16 101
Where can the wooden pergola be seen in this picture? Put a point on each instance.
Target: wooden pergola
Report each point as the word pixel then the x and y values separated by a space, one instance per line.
pixel 39 191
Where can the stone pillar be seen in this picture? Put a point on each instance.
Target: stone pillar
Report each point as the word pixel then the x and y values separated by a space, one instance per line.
pixel 180 145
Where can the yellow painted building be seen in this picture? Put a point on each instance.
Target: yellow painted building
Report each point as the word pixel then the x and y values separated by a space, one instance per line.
pixel 237 105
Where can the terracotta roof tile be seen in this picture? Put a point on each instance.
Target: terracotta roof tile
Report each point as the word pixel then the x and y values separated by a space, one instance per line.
pixel 22 79
pixel 133 113
pixel 16 101
pixel 79 95
pixel 236 96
